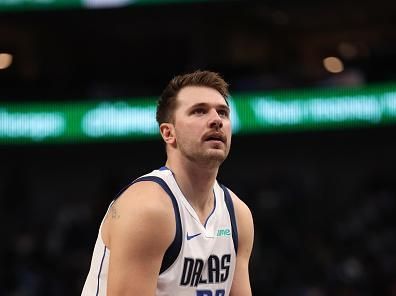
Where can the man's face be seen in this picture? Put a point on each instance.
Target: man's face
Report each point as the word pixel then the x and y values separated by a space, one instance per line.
pixel 202 125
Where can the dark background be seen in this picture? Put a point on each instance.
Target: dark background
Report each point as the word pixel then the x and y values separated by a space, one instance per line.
pixel 323 202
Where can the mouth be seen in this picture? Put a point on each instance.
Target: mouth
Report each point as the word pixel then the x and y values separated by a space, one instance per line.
pixel 216 137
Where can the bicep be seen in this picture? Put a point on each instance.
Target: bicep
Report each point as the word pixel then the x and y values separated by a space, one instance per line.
pixel 241 281
pixel 138 240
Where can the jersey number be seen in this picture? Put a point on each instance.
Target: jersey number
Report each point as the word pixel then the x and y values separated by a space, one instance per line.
pixel 210 293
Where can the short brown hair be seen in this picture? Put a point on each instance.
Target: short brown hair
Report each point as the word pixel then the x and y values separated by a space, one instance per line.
pixel 167 101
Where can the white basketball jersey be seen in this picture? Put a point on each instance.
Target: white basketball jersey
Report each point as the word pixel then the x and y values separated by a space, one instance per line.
pixel 201 259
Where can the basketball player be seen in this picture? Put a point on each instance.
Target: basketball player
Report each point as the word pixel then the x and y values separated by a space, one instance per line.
pixel 176 231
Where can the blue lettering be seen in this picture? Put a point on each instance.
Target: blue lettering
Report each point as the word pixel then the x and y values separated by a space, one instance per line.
pixel 204 293
pixel 220 292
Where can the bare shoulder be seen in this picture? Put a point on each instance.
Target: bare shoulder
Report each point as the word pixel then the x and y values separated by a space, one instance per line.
pixel 142 209
pixel 244 224
pixel 241 208
pixel 140 226
pixel 145 195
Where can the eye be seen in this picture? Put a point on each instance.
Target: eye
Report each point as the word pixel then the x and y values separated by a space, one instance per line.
pixel 223 113
pixel 198 111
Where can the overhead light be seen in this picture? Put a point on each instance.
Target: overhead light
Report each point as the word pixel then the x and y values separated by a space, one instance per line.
pixel 333 64
pixel 5 60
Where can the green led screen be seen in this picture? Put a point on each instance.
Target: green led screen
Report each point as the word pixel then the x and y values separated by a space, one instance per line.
pixel 22 5
pixel 134 118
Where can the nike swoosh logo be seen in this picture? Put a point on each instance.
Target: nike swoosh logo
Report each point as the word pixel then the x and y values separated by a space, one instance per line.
pixel 192 236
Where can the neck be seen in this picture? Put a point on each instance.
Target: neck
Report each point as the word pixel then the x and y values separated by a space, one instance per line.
pixel 195 181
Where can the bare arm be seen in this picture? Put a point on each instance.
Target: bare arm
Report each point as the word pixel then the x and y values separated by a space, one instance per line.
pixel 139 228
pixel 241 282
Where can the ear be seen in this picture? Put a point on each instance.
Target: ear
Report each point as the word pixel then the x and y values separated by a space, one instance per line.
pixel 167 131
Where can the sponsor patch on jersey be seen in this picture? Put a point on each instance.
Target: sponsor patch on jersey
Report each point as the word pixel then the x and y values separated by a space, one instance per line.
pixel 223 232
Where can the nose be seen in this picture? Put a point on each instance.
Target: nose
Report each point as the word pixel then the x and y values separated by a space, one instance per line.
pixel 215 121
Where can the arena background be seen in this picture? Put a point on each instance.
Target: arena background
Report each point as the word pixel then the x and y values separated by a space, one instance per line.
pixel 323 197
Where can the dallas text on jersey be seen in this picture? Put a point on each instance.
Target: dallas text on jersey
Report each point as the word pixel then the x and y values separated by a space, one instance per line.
pixel 217 271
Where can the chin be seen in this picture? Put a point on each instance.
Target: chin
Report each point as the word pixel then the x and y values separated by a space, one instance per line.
pixel 217 155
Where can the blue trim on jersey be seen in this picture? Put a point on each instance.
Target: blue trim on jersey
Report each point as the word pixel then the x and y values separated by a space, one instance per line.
pixel 100 270
pixel 163 168
pixel 231 211
pixel 214 207
pixel 173 250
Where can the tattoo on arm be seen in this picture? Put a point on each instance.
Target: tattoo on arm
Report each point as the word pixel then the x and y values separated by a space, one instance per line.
pixel 114 213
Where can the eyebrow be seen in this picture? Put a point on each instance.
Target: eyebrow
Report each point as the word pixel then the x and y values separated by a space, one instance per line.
pixel 222 106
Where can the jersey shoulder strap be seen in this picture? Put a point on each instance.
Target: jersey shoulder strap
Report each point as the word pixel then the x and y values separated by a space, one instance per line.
pixel 231 212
